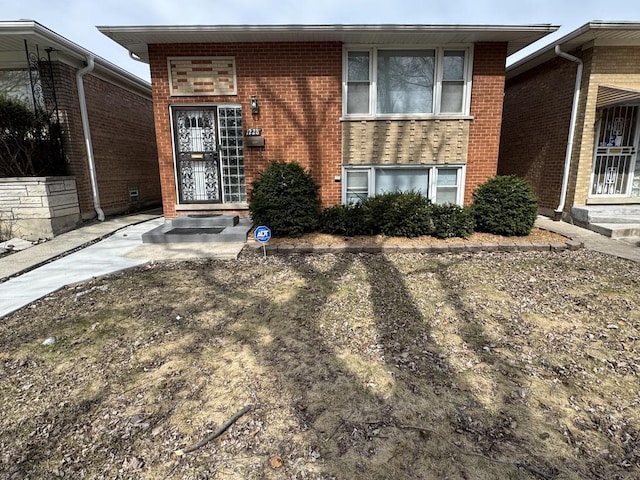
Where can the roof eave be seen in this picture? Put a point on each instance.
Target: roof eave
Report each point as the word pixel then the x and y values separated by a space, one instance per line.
pixel 31 28
pixel 570 41
pixel 137 38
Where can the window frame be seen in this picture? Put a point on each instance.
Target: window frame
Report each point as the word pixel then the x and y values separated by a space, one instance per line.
pixel 27 99
pixel 432 172
pixel 437 87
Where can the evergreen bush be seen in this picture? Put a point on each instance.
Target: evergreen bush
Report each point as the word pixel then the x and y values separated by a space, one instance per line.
pixel 285 199
pixel 398 214
pixel 349 220
pixel 505 205
pixel 30 142
pixel 451 220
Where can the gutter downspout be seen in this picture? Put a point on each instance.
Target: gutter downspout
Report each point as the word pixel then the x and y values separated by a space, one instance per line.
pixel 572 129
pixel 87 134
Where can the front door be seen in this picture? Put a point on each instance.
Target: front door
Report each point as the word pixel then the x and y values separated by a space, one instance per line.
pixel 197 155
pixel 616 172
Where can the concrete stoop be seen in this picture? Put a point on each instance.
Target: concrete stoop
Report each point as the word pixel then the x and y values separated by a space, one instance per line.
pixel 615 221
pixel 201 229
pixel 616 230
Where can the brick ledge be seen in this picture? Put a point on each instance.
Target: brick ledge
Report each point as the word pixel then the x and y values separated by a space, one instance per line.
pixel 284 248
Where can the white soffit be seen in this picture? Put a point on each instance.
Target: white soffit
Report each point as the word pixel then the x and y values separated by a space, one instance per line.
pixel 137 39
pixel 609 95
pixel 597 32
pixel 13 34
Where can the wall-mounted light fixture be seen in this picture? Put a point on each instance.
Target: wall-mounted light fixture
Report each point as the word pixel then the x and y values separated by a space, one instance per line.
pixel 255 108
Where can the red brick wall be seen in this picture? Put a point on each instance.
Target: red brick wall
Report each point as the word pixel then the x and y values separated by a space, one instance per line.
pixel 486 108
pixel 123 137
pixel 298 87
pixel 67 96
pixel 537 111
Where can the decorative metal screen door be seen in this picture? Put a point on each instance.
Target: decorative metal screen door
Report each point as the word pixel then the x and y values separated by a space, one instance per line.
pixel 197 157
pixel 615 171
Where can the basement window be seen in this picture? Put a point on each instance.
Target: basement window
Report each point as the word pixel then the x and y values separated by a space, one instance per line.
pixel 440 184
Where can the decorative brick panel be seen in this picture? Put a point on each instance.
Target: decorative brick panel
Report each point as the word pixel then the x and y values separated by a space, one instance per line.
pixel 202 76
pixel 405 142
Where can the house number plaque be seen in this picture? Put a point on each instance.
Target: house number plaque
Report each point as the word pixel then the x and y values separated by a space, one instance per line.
pixel 253 137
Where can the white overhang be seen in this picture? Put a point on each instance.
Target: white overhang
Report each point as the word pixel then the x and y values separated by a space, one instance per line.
pixel 597 32
pixel 609 95
pixel 14 33
pixel 136 39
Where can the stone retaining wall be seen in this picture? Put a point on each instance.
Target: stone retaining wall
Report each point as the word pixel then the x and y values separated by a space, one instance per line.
pixel 39 207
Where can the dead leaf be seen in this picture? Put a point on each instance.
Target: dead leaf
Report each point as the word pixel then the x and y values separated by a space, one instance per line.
pixel 276 462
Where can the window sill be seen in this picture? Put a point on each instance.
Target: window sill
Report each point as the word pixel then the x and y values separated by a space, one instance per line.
pixel 612 200
pixel 211 206
pixel 360 118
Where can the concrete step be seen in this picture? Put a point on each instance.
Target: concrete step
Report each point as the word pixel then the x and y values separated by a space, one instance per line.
pixel 186 233
pixel 633 241
pixel 587 214
pixel 616 230
pixel 205 221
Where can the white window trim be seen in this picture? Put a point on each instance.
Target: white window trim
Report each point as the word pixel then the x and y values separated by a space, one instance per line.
pixel 433 178
pixel 437 88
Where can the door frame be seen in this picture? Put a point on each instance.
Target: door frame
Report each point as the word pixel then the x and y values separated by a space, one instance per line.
pixel 214 155
pixel 631 151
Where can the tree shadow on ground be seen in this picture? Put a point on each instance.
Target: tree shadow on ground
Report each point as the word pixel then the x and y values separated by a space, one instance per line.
pixel 342 357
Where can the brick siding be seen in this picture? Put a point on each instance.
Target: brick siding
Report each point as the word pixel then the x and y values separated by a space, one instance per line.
pixel 486 109
pixel 405 142
pixel 298 87
pixel 604 65
pixel 123 137
pixel 537 110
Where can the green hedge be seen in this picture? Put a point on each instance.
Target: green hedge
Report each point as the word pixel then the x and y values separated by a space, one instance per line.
pixel 285 198
pixel 505 205
pixel 451 220
pixel 349 220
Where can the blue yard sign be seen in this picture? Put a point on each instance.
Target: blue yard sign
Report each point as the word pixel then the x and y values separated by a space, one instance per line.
pixel 262 234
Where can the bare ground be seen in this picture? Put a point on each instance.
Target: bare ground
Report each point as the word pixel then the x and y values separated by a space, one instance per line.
pixel 492 365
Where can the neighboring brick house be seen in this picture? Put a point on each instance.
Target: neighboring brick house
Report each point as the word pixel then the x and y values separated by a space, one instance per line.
pixel 41 67
pixel 595 170
pixel 366 108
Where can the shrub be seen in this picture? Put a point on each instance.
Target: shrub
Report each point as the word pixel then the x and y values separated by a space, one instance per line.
pixel 398 214
pixel 505 205
pixel 285 198
pixel 451 220
pixel 347 220
pixel 30 142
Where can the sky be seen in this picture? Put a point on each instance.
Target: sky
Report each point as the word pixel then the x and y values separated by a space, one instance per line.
pixel 76 20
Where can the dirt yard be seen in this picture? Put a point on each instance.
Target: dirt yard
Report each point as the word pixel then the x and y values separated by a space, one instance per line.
pixel 352 366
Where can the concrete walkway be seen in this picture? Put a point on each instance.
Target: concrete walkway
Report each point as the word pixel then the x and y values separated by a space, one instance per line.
pixel 89 252
pixel 116 244
pixel 628 248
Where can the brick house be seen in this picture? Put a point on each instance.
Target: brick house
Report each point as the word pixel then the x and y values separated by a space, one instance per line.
pixel 575 138
pixel 366 108
pixel 113 164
